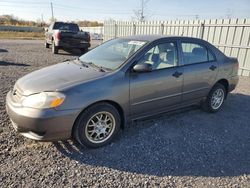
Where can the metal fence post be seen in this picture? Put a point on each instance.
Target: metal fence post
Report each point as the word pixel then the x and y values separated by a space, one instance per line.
pixel 134 29
pixel 202 26
pixel 116 29
pixel 162 28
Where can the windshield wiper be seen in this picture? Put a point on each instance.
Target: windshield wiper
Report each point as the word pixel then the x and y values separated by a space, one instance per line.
pixel 100 68
pixel 82 62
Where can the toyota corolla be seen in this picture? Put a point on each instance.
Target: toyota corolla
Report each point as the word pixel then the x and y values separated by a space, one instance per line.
pixel 91 98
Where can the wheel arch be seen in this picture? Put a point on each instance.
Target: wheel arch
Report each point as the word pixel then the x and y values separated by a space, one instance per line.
pixel 113 103
pixel 225 83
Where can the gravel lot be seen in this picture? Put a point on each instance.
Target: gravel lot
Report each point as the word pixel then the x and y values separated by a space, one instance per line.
pixel 188 148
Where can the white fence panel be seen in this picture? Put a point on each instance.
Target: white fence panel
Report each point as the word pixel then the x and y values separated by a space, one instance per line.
pixel 98 30
pixel 231 36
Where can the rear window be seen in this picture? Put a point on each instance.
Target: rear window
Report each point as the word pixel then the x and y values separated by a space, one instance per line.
pixel 66 26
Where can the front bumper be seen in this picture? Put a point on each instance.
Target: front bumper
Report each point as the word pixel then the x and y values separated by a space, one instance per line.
pixel 43 125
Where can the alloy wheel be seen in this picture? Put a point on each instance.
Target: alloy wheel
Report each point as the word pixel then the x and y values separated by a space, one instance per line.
pixel 217 98
pixel 100 127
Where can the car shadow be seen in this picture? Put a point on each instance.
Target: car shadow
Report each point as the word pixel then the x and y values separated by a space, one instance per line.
pixel 189 142
pixel 3 50
pixel 5 63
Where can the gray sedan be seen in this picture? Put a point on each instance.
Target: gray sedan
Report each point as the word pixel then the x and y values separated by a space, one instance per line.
pixel 93 97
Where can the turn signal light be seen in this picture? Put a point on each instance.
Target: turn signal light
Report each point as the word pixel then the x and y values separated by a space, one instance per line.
pixel 56 102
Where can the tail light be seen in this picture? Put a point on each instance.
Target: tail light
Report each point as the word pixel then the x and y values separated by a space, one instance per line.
pixel 236 63
pixel 58 35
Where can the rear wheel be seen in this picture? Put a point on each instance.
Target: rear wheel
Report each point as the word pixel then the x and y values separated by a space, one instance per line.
pixel 97 126
pixel 46 45
pixel 215 98
pixel 54 48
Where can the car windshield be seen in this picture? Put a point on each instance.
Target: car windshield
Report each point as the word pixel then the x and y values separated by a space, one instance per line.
pixel 112 54
pixel 66 26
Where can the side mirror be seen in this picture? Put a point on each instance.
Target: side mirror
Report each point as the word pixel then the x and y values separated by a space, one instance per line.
pixel 144 67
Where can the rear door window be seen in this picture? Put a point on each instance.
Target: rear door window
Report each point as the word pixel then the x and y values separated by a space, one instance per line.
pixel 195 53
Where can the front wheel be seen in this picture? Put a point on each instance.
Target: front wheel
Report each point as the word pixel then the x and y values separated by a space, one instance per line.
pixel 215 98
pixel 97 125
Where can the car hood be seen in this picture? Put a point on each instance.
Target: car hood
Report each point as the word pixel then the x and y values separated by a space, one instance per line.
pixel 56 77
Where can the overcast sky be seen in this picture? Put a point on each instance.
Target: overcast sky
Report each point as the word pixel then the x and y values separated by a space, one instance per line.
pixel 101 10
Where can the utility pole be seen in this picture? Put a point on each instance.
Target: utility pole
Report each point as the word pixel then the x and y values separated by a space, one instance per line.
pixel 52 11
pixel 197 16
pixel 142 11
pixel 41 20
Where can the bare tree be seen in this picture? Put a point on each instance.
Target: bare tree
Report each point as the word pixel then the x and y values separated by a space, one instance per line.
pixel 140 13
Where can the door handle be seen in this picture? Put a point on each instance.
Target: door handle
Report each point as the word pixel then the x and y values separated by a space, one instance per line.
pixel 177 74
pixel 212 67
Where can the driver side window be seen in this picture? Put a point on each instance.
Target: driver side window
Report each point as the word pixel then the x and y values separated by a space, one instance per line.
pixel 161 56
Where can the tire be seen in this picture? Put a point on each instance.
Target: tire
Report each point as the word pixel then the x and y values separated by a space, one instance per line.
pixel 83 50
pixel 54 48
pixel 46 45
pixel 217 93
pixel 91 123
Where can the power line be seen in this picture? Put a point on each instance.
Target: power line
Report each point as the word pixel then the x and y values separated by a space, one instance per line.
pixel 46 4
pixel 25 6
pixel 26 3
pixel 21 11
pixel 94 11
pixel 87 8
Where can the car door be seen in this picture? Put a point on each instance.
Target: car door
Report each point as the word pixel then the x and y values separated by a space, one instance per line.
pixel 199 70
pixel 159 89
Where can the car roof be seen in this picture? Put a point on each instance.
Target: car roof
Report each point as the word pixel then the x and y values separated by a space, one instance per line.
pixel 151 38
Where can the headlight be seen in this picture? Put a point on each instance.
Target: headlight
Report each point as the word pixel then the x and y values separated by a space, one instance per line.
pixel 44 100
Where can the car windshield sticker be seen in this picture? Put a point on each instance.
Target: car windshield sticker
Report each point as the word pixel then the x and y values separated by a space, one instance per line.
pixel 139 43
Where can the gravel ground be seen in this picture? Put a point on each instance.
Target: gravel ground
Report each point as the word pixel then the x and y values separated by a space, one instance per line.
pixel 188 148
